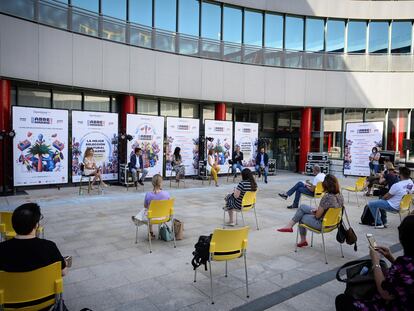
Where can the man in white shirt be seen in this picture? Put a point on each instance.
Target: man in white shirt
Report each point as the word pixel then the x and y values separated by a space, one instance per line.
pixel 391 200
pixel 306 187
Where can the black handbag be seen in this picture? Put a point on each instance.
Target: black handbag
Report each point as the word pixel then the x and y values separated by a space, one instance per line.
pixel 360 281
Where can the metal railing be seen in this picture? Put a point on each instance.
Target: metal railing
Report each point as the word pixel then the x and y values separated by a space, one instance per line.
pixel 88 23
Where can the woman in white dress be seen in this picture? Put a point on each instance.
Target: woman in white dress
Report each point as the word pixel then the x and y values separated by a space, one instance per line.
pixel 212 166
pixel 90 167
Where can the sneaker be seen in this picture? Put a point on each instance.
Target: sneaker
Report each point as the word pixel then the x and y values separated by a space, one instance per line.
pixel 283 195
pixel 140 182
pixel 292 206
pixel 265 181
pixel 380 227
pixel 231 224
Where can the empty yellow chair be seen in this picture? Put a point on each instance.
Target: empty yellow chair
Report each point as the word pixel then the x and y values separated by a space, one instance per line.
pixel 6 227
pixel 405 206
pixel 226 245
pixel 159 212
pixel 359 187
pixel 318 193
pixel 26 287
pixel 331 221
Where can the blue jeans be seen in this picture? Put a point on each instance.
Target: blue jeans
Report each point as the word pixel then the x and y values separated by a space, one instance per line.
pixel 237 166
pixel 298 189
pixel 265 170
pixel 384 206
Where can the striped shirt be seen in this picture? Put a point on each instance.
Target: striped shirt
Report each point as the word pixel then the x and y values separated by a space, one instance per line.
pixel 243 187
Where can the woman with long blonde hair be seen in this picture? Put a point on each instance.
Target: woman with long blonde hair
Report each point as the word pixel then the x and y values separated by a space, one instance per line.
pixel 90 167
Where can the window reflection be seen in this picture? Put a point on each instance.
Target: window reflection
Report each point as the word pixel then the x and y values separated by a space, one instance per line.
pixel 91 5
pixel 357 34
pixel 335 36
pixel 294 33
pixel 165 14
pixel 401 37
pixel 147 106
pixel 253 28
pixel 274 31
pixel 315 31
pixel 114 8
pixel 188 17
pixel 211 21
pixel 378 37
pixel 332 126
pixel 63 100
pixel 375 115
pixel 97 103
pixel 34 98
pixel 140 12
pixel 232 24
pixel 189 110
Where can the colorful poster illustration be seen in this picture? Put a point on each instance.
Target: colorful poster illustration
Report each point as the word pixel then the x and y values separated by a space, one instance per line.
pixel 183 133
pixel 97 130
pixel 221 133
pixel 40 146
pixel 360 138
pixel 148 134
pixel 246 137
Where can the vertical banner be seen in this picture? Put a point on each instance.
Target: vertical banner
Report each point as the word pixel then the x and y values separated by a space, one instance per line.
pixel 148 134
pixel 40 146
pixel 360 138
pixel 98 130
pixel 222 134
pixel 246 136
pixel 183 133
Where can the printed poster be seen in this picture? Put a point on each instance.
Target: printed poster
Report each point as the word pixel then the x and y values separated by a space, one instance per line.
pixel 183 133
pixel 246 136
pixel 148 134
pixel 359 140
pixel 98 130
pixel 221 133
pixel 40 146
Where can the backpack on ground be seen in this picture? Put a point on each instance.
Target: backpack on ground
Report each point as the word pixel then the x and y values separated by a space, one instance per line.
pixel 366 217
pixel 202 252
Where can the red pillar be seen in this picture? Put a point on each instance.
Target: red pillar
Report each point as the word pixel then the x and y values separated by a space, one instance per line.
pixel 5 123
pixel 305 137
pixel 220 112
pixel 401 133
pixel 128 106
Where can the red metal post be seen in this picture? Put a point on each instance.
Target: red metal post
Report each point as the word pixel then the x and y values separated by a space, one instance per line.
pixel 305 137
pixel 128 106
pixel 220 112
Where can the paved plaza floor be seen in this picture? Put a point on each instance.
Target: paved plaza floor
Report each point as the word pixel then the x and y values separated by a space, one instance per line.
pixel 111 272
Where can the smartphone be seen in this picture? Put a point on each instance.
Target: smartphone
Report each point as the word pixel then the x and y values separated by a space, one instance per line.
pixel 371 240
pixel 68 260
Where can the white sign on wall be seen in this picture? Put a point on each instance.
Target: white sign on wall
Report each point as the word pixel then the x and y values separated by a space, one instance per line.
pixel 359 140
pixel 222 134
pixel 98 130
pixel 40 146
pixel 183 133
pixel 148 134
pixel 246 136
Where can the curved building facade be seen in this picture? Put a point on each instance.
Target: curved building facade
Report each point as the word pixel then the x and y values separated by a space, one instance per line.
pixel 266 61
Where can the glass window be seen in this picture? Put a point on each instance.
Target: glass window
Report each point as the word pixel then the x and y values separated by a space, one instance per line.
pixel 140 12
pixel 332 125
pixel 169 109
pixel 229 113
pixel 283 122
pixel 91 5
pixel 115 104
pixel 274 31
pixel 63 100
pixel 316 130
pixel 294 33
pixel 34 98
pixel 114 8
pixel 165 14
pixel 147 106
pixel 232 24
pixel 13 96
pixel 188 17
pixel 378 37
pixel 241 115
pixel 208 112
pixel 315 33
pixel 189 110
pixel 335 36
pixel 354 115
pixel 20 8
pixel 97 103
pixel 411 153
pixel 268 121
pixel 397 130
pixel 357 36
pixel 401 37
pixel 295 121
pixel 211 21
pixel 253 28
pixel 375 115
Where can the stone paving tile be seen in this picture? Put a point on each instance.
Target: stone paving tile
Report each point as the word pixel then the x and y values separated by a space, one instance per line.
pixel 137 305
pixel 223 302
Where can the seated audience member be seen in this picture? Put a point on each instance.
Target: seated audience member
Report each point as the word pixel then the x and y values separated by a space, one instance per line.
pixel 307 188
pixel 212 166
pixel 136 166
pixel 380 178
pixel 234 200
pixel 262 163
pixel 156 194
pixel 392 199
pixel 26 252
pixel 313 216
pixel 177 163
pixel 395 287
pixel 237 161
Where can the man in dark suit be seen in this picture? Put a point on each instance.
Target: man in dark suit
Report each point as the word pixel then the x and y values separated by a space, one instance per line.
pixel 237 161
pixel 262 162
pixel 136 166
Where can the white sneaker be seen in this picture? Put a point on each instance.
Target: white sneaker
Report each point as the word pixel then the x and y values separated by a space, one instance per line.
pixel 231 224
pixel 380 227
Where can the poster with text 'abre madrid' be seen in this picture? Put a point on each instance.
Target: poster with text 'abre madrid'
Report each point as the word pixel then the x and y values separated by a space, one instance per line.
pixel 222 134
pixel 97 130
pixel 246 137
pixel 183 133
pixel 359 140
pixel 148 134
pixel 40 147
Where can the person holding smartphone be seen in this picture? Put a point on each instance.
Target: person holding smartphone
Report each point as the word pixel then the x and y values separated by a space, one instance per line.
pixel 395 287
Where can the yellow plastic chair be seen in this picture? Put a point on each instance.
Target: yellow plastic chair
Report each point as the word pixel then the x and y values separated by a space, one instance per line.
pixel 405 207
pixel 319 193
pixel 330 222
pixel 248 203
pixel 359 187
pixel 6 228
pixel 159 212
pixel 26 287
pixel 226 245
